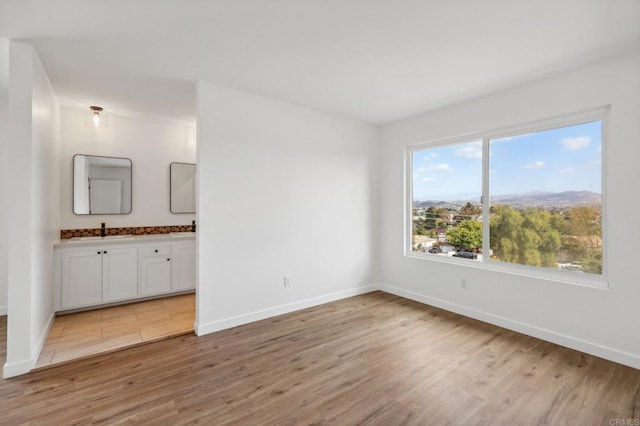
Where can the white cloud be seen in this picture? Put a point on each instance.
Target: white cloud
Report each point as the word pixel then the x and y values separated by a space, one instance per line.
pixel 441 167
pixel 574 144
pixel 428 179
pixel 430 156
pixel 534 165
pixel 470 150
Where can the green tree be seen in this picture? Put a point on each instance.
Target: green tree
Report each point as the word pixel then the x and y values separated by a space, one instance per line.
pixel 526 237
pixel 420 223
pixel 582 237
pixel 467 235
pixel 431 216
pixel 468 212
pixel 506 223
pixel 546 239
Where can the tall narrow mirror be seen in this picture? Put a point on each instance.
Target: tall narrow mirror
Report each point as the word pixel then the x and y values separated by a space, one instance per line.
pixel 101 185
pixel 183 188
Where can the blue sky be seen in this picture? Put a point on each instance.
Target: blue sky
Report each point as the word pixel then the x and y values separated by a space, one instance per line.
pixel 563 159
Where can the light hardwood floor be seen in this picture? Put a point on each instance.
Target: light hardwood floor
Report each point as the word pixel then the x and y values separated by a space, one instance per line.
pixel 84 334
pixel 373 359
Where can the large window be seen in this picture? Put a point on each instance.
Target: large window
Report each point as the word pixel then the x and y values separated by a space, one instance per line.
pixel 528 197
pixel 447 189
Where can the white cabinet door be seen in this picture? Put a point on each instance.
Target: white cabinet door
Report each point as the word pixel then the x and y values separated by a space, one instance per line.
pixel 81 278
pixel 183 268
pixel 119 274
pixel 155 275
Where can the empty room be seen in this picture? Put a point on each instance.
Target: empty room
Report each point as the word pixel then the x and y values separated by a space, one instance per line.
pixel 331 212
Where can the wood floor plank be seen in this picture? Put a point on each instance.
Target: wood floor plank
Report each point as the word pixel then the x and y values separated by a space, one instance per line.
pixel 117 311
pixel 161 314
pixel 67 353
pixel 113 331
pixel 374 359
pixel 148 305
pixel 85 334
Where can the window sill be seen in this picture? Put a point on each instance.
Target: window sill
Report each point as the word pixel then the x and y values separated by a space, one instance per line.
pixel 564 277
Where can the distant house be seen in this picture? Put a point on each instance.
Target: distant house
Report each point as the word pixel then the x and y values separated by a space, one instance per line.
pixel 422 242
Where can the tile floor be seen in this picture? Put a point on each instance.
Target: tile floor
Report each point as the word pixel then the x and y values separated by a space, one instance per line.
pixel 85 334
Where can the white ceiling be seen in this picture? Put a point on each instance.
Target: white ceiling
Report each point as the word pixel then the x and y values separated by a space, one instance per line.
pixel 373 60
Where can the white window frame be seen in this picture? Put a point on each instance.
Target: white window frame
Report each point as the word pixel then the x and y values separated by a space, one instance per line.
pixel 570 277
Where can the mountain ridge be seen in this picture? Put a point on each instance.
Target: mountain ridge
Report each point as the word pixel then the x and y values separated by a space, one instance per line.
pixel 531 199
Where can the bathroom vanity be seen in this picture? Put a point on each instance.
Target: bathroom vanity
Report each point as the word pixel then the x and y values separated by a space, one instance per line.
pixel 95 271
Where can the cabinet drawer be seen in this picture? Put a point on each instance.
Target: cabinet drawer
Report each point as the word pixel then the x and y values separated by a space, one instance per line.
pixel 155 250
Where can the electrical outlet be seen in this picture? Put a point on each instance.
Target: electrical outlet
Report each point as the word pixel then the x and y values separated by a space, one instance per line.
pixel 463 283
pixel 287 281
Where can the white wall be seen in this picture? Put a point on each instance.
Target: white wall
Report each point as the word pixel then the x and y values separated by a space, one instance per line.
pixel 598 321
pixel 34 196
pixel 151 144
pixel 281 190
pixel 4 111
pixel 4 68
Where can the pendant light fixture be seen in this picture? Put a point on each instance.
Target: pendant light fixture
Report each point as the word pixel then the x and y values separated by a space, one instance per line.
pixel 95 119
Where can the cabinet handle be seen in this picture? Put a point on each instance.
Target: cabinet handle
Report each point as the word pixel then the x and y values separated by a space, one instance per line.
pixel 156 250
pixel 105 252
pixel 99 252
pixel 168 259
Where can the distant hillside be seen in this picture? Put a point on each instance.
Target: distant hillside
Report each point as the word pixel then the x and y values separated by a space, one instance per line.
pixel 537 199
pixel 438 204
pixel 546 199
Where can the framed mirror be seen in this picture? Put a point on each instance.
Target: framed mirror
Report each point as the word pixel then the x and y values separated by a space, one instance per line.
pixel 101 185
pixel 183 188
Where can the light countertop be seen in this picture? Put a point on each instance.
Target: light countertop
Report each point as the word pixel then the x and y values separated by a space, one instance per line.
pixel 124 239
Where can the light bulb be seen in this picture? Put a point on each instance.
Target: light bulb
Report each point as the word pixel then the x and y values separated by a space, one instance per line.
pixel 96 118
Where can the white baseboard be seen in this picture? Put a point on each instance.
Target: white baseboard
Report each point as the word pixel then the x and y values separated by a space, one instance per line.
pixel 3 310
pixel 24 366
pixel 598 350
pixel 223 324
pixel 17 368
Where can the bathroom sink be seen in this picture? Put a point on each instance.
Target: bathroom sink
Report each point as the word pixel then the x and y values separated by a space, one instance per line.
pixel 182 234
